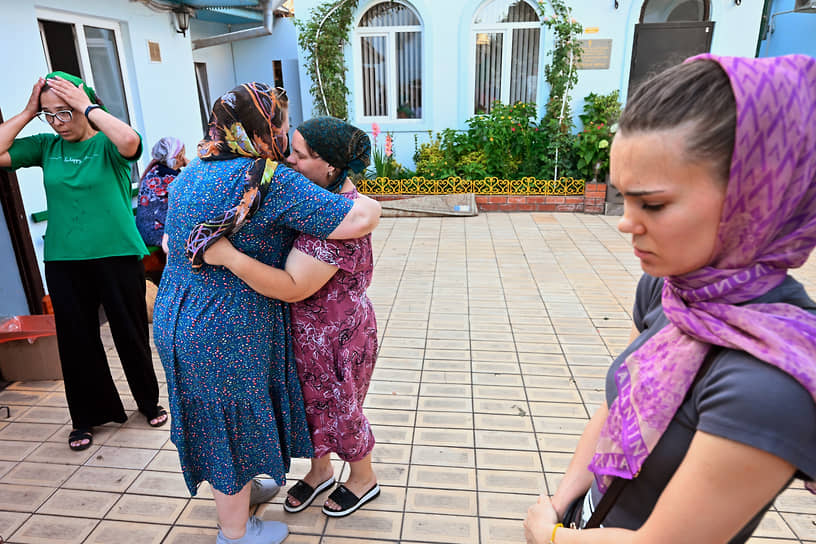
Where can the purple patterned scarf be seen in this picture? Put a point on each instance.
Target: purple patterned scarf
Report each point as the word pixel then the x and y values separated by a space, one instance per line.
pixel 768 226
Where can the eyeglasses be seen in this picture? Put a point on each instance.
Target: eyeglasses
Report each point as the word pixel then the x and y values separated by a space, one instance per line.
pixel 64 116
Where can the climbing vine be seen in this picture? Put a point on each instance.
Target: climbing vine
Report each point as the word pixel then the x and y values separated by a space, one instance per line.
pixel 323 38
pixel 561 74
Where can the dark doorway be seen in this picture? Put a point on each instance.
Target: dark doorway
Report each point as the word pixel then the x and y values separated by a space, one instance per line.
pixel 21 243
pixel 658 46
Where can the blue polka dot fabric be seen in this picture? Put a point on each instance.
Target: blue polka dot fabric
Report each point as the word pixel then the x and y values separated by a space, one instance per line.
pixel 235 399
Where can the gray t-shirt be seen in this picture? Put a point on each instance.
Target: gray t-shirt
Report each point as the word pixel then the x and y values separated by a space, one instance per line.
pixel 739 398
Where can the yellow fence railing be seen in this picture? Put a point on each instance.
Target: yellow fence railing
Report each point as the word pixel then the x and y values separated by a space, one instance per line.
pixel 487 186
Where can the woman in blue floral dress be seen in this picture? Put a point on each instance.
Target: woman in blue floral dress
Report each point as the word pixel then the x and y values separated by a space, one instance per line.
pixel 235 399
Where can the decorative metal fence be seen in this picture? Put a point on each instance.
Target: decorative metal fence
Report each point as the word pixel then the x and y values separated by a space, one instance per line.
pixel 487 186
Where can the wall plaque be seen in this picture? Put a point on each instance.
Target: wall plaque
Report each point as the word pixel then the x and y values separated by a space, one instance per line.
pixel 596 54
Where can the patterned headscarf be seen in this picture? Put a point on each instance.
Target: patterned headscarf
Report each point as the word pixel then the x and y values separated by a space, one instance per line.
pixel 340 144
pixel 245 122
pixel 166 150
pixel 768 225
pixel 88 90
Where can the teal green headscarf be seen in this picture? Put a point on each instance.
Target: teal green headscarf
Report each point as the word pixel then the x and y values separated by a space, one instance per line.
pixel 89 91
pixel 340 144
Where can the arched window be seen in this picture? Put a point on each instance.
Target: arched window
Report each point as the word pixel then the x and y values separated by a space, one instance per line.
pixel 506 36
pixel 674 11
pixel 389 49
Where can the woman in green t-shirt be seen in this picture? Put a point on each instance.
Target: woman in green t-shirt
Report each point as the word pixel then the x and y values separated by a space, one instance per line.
pixel 93 250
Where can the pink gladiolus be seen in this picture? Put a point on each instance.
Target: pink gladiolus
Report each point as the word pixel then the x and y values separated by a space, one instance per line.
pixel 389 145
pixel 375 130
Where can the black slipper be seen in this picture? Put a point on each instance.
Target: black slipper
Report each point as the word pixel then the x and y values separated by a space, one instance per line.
pixel 160 411
pixel 348 501
pixel 305 493
pixel 78 435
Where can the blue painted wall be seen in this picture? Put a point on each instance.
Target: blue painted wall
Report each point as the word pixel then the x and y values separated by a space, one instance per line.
pixel 447 51
pixel 788 32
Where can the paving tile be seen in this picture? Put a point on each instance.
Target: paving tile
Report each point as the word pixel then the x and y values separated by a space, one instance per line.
pixel 117 532
pixel 38 432
pixel 23 498
pixel 444 437
pixel 16 450
pixel 391 453
pixel 443 404
pixel 447 420
pixel 160 483
pixel 440 528
pixel 501 531
pixel 519 482
pixel 45 474
pixel 367 524
pixel 190 535
pixel 58 453
pixel 773 526
pixel 445 377
pixel 498 422
pixel 10 521
pixel 42 529
pixel 118 457
pixel 79 503
pixel 508 459
pixel 505 505
pixel 506 439
pixel 101 479
pixel 138 438
pixel 442 477
pixel 147 509
pixel 165 461
pixel 443 456
pixel 802 525
pixel 440 501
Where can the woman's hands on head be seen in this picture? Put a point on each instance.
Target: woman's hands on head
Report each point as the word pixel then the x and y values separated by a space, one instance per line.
pixel 540 520
pixel 72 95
pixel 32 108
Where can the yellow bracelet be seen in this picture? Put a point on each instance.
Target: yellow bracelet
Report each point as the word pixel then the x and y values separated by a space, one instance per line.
pixel 552 538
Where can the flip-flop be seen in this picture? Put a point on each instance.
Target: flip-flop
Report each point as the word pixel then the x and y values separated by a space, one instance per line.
pixel 305 493
pixel 348 501
pixel 77 435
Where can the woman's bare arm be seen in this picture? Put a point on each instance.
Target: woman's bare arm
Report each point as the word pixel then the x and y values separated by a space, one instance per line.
pixel 361 220
pixel 302 277
pixel 717 489
pixel 11 128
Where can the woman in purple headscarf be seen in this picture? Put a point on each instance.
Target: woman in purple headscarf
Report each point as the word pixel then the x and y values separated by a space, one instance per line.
pixel 710 412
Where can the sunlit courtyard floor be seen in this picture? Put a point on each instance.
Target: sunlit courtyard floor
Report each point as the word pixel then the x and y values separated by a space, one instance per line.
pixel 496 332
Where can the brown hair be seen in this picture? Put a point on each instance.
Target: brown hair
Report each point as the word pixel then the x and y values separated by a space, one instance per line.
pixel 696 94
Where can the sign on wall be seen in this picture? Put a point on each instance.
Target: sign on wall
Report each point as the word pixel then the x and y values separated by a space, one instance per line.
pixel 596 54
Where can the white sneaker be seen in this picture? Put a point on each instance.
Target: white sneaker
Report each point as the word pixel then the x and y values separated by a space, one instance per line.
pixel 258 532
pixel 263 489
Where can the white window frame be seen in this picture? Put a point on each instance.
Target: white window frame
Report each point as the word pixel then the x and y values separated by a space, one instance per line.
pixel 390 33
pixel 82 47
pixel 506 29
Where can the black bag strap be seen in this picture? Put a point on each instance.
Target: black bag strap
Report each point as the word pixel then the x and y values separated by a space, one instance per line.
pixel 618 484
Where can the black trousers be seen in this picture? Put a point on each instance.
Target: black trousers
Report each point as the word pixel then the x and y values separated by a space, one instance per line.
pixel 77 289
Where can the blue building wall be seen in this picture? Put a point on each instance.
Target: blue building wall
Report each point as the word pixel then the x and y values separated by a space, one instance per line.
pixel 788 32
pixel 448 50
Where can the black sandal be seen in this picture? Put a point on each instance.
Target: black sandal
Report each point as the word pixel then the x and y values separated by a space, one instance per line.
pixel 160 411
pixel 78 435
pixel 305 494
pixel 348 501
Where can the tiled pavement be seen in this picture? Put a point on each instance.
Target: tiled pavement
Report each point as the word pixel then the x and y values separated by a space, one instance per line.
pixel 496 333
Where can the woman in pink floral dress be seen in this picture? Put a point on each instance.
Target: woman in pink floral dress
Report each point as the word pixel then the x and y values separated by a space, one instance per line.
pixel 333 324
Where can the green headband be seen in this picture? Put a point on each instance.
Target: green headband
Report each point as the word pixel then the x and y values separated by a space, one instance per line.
pixel 89 91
